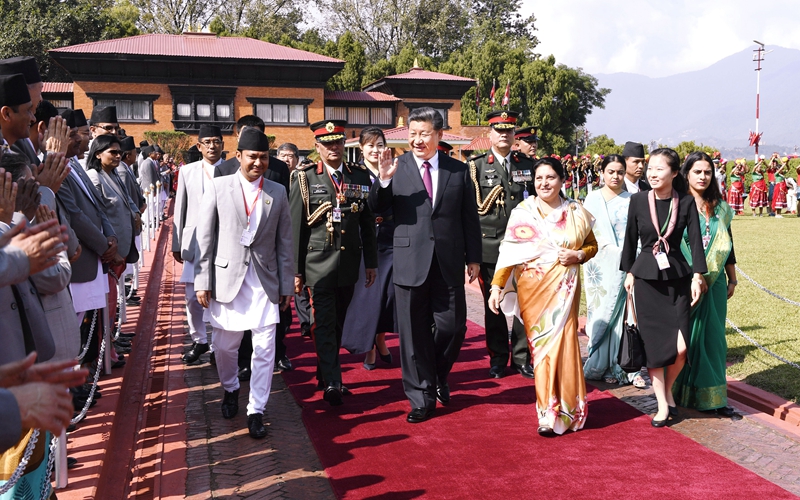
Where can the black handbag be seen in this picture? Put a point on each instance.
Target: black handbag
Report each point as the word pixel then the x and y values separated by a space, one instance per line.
pixel 631 356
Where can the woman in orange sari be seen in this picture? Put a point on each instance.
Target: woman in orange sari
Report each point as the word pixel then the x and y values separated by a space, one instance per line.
pixel 538 280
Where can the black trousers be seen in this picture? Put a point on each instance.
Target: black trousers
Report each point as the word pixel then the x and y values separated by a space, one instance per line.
pixel 497 329
pixel 246 347
pixel 427 354
pixel 328 308
pixel 302 307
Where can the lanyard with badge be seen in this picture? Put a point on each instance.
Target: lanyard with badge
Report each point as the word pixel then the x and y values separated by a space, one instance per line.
pixel 247 235
pixel 337 211
pixel 665 231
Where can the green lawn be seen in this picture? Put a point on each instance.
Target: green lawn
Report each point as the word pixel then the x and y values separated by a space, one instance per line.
pixel 766 249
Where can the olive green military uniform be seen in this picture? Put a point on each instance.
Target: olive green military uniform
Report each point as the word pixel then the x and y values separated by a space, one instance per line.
pixel 501 188
pixel 328 250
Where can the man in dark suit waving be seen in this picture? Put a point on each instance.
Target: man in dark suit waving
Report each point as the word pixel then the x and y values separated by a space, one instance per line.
pixel 437 232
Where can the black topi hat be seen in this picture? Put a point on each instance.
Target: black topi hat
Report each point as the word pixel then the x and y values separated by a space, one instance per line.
pixel 80 118
pixel 13 90
pixel 633 150
pixel 24 65
pixel 104 114
pixel 209 131
pixel 126 144
pixel 253 139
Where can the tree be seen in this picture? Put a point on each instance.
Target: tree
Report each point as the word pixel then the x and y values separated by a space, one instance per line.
pixel 507 13
pixel 603 145
pixel 268 20
pixel 352 52
pixel 32 27
pixel 686 148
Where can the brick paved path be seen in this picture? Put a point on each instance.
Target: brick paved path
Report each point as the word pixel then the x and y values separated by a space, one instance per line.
pixel 224 462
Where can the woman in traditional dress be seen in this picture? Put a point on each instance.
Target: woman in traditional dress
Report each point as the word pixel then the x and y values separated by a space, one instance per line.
pixel 758 189
pixel 546 240
pixel 702 384
pixel 371 313
pixel 736 193
pixel 721 175
pixel 664 285
pixel 605 295
pixel 779 194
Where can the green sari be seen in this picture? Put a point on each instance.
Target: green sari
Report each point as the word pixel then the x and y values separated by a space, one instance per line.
pixel 702 384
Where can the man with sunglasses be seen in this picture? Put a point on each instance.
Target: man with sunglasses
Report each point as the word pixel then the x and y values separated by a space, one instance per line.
pixel 193 181
pixel 104 121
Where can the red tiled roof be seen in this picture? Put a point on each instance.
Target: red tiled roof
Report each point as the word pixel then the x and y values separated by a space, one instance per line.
pixel 196 45
pixel 57 88
pixel 351 96
pixel 478 144
pixel 422 74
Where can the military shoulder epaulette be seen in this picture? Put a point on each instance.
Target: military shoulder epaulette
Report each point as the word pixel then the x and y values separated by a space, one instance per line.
pixel 356 166
pixel 306 166
pixel 475 157
pixel 520 155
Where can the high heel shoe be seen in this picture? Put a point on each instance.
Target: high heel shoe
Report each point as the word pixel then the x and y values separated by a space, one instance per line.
pixel 673 411
pixel 369 366
pixel 386 358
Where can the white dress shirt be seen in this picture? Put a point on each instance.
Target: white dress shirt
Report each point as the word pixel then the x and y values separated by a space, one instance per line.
pixel 505 160
pixel 633 187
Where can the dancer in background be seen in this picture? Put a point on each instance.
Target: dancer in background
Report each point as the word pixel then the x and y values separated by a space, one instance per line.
pixel 779 195
pixel 758 189
pixel 702 384
pixel 736 193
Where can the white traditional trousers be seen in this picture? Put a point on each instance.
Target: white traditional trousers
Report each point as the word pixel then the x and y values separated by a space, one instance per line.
pixel 194 315
pixel 226 345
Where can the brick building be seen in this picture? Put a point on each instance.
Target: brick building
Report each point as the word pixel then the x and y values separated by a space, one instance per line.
pixel 178 82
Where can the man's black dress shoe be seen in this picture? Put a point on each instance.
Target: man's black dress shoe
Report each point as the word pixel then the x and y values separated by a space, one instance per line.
pixel 497 371
pixel 443 394
pixel 212 359
pixel 71 462
pixel 524 370
pixel 333 394
pixel 230 404
pixel 284 364
pixel 255 426
pixel 118 364
pixel 305 330
pixel 133 303
pixel 544 430
pixel 244 373
pixel 418 415
pixel 726 411
pixel 195 353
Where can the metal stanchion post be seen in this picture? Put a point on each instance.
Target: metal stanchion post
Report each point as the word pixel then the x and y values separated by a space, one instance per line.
pixel 106 334
pixel 62 474
pixel 122 299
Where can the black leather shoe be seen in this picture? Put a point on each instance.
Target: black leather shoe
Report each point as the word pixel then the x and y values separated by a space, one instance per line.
pixel 544 430
pixel 118 364
pixel 524 370
pixel 305 330
pixel 256 426
pixel 659 423
pixel 418 415
pixel 132 303
pixel 333 394
pixel 386 358
pixel 72 462
pixel 195 353
pixel 284 364
pixel 121 342
pixel 673 411
pixel 497 371
pixel 244 373
pixel 726 411
pixel 230 404
pixel 212 359
pixel 443 394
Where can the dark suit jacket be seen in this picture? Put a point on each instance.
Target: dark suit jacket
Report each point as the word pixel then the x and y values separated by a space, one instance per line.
pixel 452 228
pixel 278 171
pixel 640 227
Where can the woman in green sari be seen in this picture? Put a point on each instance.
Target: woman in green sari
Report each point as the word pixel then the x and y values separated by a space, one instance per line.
pixel 605 295
pixel 702 384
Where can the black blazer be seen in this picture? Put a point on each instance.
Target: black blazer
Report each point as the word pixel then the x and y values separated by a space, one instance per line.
pixel 640 227
pixel 452 229
pixel 278 171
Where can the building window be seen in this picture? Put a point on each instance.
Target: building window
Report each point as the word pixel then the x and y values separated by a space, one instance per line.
pixel 291 112
pixel 195 106
pixel 130 108
pixel 360 115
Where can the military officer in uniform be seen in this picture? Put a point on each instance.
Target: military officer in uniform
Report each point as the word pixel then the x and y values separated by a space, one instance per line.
pixel 526 141
pixel 501 179
pixel 332 226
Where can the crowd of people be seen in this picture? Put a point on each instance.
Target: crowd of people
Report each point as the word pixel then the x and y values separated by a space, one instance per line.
pixel 361 249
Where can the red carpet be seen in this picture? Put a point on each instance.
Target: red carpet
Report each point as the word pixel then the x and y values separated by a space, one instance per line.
pixel 484 444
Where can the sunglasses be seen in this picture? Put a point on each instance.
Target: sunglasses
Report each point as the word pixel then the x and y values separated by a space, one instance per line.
pixel 109 128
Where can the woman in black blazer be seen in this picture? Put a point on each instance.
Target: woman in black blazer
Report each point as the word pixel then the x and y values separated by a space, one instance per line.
pixel 664 285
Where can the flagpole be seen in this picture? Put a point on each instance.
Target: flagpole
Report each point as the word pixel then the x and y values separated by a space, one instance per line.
pixel 478 101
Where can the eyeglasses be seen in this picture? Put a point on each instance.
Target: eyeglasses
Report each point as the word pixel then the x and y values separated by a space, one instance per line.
pixel 108 128
pixel 114 152
pixel 211 142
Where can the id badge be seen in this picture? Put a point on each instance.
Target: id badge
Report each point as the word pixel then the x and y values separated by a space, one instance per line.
pixel 247 237
pixel 337 214
pixel 525 195
pixel 662 260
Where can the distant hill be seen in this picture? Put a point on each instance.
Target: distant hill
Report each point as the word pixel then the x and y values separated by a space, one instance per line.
pixel 715 105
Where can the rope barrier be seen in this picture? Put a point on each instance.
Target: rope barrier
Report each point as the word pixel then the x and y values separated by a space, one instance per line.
pixel 89 400
pixel 753 341
pixel 85 348
pixel 23 463
pixel 765 289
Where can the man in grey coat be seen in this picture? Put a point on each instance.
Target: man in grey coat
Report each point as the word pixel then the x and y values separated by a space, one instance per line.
pixel 245 272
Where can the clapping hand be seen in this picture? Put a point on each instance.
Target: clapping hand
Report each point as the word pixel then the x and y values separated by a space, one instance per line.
pixel 52 171
pixel 28 197
pixel 25 371
pixel 40 243
pixel 8 196
pixel 388 166
pixel 56 139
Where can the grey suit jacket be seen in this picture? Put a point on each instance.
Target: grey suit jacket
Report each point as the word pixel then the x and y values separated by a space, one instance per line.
pixel 223 260
pixel 184 222
pixel 12 314
pixel 117 208
pixel 132 187
pixel 56 299
pixel 148 174
pixel 14 265
pixel 88 220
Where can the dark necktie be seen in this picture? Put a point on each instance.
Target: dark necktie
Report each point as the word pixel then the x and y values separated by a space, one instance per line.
pixel 337 176
pixel 426 179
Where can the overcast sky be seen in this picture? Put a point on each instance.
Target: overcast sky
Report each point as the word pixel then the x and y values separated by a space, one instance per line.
pixel 659 37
